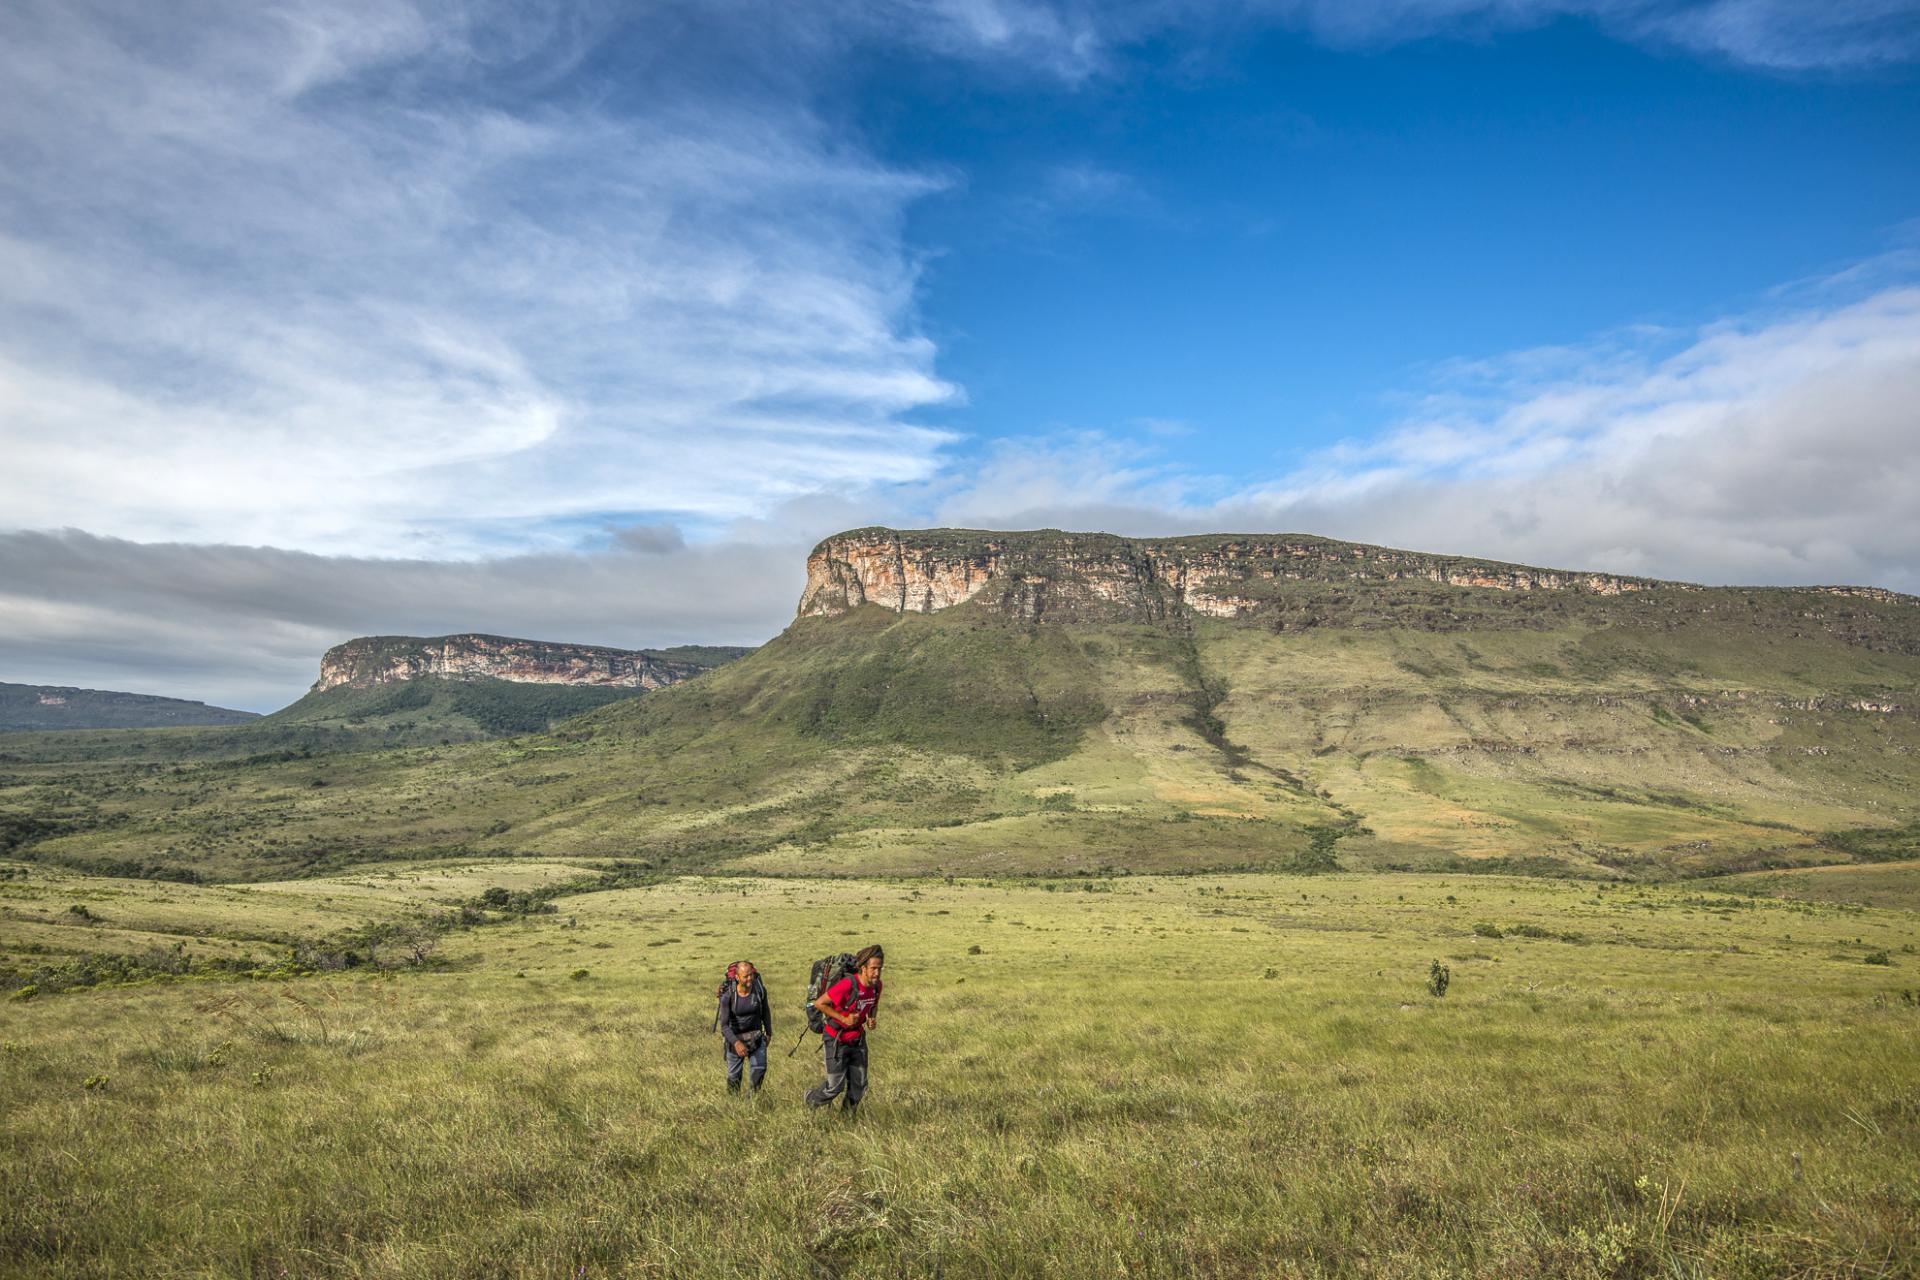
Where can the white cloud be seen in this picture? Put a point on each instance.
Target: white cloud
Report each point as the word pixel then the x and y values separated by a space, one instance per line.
pixel 411 279
pixel 1780 448
pixel 315 277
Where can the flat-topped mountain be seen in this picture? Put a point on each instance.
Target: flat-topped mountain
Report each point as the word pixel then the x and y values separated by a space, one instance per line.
pixel 394 690
pixel 41 707
pixel 1046 573
pixel 375 660
pixel 956 700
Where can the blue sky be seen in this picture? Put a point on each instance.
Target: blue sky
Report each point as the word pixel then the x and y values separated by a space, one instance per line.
pixel 1266 251
pixel 582 320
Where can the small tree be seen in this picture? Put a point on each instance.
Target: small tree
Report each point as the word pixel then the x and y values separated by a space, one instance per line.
pixel 1437 979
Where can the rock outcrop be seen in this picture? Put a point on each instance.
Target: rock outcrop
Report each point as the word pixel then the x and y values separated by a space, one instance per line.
pixel 372 660
pixel 1050 573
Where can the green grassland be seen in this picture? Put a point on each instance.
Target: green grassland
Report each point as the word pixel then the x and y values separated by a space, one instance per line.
pixel 1664 735
pixel 1086 1076
pixel 1892 884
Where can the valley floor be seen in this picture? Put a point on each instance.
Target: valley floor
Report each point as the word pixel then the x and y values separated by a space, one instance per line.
pixel 1139 1075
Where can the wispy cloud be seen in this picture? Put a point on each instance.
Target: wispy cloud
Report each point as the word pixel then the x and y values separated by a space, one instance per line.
pixel 1075 39
pixel 311 276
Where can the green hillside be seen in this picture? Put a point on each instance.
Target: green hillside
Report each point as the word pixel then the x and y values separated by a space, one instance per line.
pixel 42 707
pixel 431 708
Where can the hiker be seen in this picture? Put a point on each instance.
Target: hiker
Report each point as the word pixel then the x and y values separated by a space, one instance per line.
pixel 848 1008
pixel 746 1025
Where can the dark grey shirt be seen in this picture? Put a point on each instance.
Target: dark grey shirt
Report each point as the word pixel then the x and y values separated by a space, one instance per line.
pixel 744 1017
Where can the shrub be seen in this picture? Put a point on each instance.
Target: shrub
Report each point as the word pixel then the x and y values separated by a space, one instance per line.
pixel 1878 957
pixel 1486 930
pixel 1438 977
pixel 578 974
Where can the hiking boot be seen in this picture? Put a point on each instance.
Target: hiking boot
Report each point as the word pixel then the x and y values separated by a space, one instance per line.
pixel 733 1086
pixel 816 1101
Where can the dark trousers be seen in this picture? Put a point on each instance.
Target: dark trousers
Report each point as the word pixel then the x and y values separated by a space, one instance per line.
pixel 756 1053
pixel 846 1063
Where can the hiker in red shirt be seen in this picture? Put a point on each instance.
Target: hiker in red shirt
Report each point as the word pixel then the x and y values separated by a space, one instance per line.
pixel 848 1007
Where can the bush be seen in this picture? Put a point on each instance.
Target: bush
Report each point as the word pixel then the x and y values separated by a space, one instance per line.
pixel 516 902
pixel 1486 930
pixel 1878 957
pixel 1438 978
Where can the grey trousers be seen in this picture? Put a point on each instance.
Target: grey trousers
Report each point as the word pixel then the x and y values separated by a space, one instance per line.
pixel 846 1065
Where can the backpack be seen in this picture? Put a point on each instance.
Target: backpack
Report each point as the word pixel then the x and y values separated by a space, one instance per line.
pixel 730 982
pixel 826 971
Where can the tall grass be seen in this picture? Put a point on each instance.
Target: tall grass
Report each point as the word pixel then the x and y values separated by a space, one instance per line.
pixel 1109 1086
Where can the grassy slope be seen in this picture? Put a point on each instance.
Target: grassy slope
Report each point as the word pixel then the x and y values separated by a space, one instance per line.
pixel 1236 1075
pixel 1665 742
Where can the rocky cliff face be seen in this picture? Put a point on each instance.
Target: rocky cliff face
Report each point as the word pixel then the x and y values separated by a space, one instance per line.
pixel 373 660
pixel 1216 576
pixel 1047 572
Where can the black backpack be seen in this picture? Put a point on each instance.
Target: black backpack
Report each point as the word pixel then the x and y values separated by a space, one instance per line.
pixel 826 971
pixel 730 982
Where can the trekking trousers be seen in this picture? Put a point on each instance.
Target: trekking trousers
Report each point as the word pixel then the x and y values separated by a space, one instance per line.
pixel 756 1054
pixel 846 1062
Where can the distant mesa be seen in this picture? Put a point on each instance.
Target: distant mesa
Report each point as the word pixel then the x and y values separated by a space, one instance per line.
pixel 1047 572
pixel 38 708
pixel 378 660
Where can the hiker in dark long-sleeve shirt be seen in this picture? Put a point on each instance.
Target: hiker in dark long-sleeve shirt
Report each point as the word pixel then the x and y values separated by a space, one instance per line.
pixel 746 1027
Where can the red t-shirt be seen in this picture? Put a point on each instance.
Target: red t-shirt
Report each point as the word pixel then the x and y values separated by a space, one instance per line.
pixel 850 995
